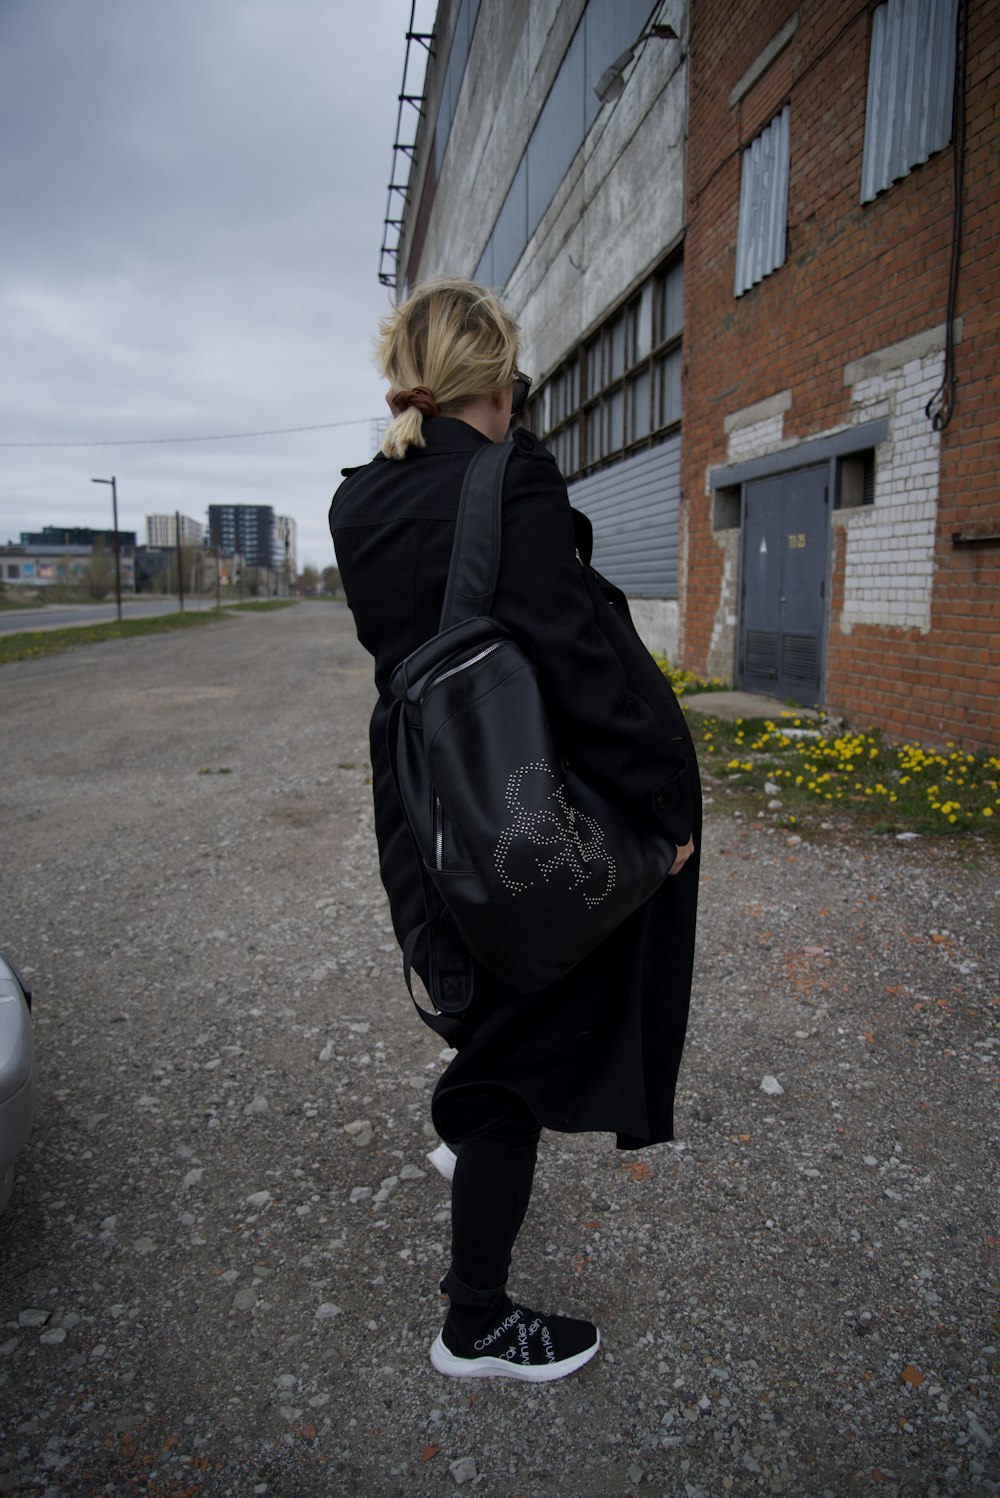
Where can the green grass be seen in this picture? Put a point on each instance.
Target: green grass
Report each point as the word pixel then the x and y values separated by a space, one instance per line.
pixel 262 605
pixel 8 605
pixel 30 645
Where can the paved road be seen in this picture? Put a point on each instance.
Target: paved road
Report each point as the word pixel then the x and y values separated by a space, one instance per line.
pixel 65 615
pixel 218 1271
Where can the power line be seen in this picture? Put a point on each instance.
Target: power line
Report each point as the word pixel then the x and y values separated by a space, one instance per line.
pixel 323 426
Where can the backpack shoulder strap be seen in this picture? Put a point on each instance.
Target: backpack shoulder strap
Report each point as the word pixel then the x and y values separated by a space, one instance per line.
pixel 475 555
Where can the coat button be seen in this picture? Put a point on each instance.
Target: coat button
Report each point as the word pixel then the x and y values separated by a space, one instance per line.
pixel 661 804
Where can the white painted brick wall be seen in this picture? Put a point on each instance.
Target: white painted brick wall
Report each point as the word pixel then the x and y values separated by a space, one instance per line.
pixel 756 440
pixel 889 557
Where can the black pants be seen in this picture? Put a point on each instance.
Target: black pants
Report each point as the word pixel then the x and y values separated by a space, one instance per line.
pixel 489 1197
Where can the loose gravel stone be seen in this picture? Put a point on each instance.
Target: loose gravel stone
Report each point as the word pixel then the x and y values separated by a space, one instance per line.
pixel 33 1317
pixel 759 1292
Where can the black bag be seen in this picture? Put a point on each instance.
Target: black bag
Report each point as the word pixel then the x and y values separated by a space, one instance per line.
pixel 527 868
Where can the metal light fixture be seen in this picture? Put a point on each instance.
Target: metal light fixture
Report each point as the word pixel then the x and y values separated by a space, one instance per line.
pixel 612 81
pixel 118 555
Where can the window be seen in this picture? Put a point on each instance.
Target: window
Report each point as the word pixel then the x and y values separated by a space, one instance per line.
pixel 762 240
pixel 602 33
pixel 451 88
pixel 911 83
pixel 855 485
pixel 726 508
pixel 621 390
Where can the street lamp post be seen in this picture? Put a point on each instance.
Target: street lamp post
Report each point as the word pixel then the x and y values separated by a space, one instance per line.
pixel 118 562
pixel 180 560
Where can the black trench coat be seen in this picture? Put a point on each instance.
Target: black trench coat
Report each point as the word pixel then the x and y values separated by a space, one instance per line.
pixel 600 1049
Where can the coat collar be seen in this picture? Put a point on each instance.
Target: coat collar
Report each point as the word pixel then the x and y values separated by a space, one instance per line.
pixel 443 434
pixel 447 434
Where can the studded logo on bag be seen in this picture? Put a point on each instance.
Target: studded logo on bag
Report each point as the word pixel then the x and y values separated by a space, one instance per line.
pixel 549 840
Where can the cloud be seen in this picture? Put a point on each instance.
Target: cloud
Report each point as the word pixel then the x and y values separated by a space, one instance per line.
pixel 195 195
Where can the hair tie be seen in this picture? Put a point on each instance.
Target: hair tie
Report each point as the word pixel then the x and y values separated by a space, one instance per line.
pixel 420 397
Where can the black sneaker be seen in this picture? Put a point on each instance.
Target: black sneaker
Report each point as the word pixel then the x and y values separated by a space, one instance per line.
pixel 522 1344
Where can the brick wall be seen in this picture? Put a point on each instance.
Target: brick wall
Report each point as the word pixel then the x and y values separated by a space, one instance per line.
pixel 913 638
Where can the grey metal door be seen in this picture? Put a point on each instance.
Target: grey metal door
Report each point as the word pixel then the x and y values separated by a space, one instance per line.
pixel 785 544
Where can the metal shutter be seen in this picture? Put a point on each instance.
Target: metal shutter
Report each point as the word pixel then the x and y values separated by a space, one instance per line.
pixel 633 508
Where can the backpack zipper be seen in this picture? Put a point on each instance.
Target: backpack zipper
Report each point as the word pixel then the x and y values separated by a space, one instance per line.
pixel 438 834
pixel 438 808
pixel 472 661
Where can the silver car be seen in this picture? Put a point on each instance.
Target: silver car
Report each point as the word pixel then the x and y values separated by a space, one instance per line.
pixel 17 1072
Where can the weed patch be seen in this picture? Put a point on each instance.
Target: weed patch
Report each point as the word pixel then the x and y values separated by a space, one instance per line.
pixel 807 766
pixel 262 605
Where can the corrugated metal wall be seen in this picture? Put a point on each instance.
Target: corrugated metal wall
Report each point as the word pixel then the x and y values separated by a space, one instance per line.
pixel 911 84
pixel 633 507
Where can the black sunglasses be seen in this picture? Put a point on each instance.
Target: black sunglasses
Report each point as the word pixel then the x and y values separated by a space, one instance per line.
pixel 522 384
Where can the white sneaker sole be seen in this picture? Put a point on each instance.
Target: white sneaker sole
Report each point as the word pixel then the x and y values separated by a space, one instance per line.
pixel 444 1159
pixel 530 1373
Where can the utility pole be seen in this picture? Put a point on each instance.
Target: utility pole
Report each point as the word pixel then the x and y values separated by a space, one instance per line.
pixel 180 561
pixel 118 559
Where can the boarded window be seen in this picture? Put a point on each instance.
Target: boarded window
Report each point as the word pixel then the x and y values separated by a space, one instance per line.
pixel 911 85
pixel 763 232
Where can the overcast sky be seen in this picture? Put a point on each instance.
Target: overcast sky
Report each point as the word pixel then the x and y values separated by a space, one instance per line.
pixel 192 200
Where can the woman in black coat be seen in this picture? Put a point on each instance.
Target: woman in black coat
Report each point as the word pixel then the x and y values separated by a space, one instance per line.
pixel 600 1049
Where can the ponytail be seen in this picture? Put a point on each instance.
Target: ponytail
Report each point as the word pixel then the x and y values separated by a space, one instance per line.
pixel 448 344
pixel 405 431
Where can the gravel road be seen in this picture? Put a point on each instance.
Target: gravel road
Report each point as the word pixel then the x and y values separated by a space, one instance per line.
pixel 218 1271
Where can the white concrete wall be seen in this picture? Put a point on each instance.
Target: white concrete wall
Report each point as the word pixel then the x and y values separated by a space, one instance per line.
pixel 621 205
pixel 620 208
pixel 656 621
pixel 516 52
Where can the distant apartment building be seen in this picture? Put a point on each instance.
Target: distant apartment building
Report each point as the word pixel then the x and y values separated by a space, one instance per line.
pixel 161 530
pixel 249 531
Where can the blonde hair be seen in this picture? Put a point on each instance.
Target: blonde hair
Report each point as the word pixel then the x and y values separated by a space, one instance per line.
pixel 451 337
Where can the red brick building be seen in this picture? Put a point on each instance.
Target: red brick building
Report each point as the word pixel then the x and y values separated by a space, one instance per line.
pixel 838 544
